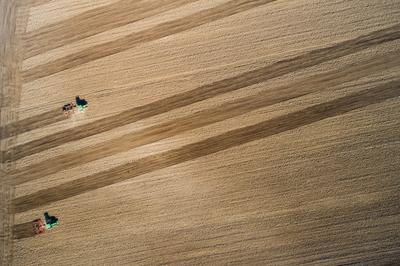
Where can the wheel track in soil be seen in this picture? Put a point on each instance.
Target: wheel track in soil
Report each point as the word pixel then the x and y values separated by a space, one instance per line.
pixel 13 21
pixel 209 146
pixel 265 129
pixel 274 70
pixel 238 107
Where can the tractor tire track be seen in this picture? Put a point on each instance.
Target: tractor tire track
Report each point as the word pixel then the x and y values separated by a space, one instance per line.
pixel 100 20
pixel 8 104
pixel 274 70
pixel 13 21
pixel 209 146
pixel 31 123
pixel 23 230
pixel 204 117
pixel 162 30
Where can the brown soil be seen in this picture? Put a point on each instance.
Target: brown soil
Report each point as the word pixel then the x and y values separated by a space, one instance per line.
pixel 218 132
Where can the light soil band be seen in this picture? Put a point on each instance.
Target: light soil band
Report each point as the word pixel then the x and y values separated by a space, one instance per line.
pixel 274 70
pixel 202 118
pixel 209 146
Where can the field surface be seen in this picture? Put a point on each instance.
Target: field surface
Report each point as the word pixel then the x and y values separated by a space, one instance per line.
pixel 241 132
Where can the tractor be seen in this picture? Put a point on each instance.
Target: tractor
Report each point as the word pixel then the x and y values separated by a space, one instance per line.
pixel 81 103
pixel 40 227
pixel 69 108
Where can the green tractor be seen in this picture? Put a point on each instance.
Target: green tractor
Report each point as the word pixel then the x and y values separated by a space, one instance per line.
pixel 81 103
pixel 40 227
pixel 69 108
pixel 51 221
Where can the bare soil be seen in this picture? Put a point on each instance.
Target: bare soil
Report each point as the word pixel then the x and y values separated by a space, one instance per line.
pixel 245 132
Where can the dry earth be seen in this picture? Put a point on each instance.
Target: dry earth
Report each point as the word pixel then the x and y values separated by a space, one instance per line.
pixel 244 132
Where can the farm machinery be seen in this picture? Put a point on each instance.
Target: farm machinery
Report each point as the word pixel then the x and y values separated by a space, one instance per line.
pixel 40 227
pixel 69 108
